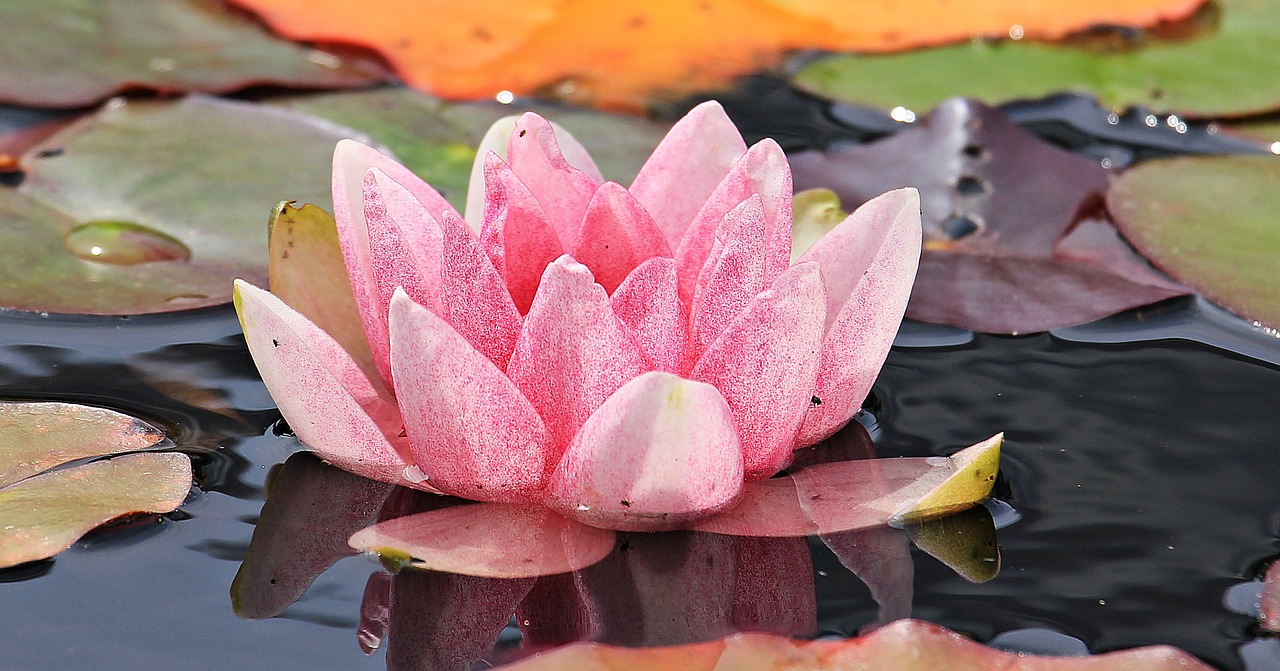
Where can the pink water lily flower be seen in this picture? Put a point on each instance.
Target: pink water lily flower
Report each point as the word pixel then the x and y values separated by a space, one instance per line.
pixel 628 357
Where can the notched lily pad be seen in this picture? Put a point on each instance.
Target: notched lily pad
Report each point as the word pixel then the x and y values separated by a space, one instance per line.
pixel 43 515
pixel 1210 222
pixel 156 206
pixel 1230 70
pixel 166 45
pixel 1012 242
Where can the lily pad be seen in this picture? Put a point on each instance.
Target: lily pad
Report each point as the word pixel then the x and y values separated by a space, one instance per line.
pixel 165 45
pixel 1012 243
pixel 43 515
pixel 1229 71
pixel 437 139
pixel 1210 222
pixel 905 645
pixel 156 206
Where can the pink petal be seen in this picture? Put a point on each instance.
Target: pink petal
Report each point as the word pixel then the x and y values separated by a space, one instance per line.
pixel 497 139
pixel 473 297
pixel 574 352
pixel 733 275
pixel 351 162
pixel 616 236
pixel 762 171
pixel 686 168
pixel 561 189
pixel 471 432
pixel 494 540
pixel 868 266
pixel 661 451
pixel 765 364
pixel 648 302
pixel 516 232
pixel 774 588
pixel 319 388
pixel 405 244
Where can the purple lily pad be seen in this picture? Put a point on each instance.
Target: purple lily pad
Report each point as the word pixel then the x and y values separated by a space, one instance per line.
pixel 1013 242
pixel 164 45
pixel 1211 222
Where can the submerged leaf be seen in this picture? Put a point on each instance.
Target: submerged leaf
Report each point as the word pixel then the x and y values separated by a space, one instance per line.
pixel 133 211
pixel 166 45
pixel 1209 221
pixel 1233 69
pixel 1011 244
pixel 44 515
pixel 610 55
pixel 35 437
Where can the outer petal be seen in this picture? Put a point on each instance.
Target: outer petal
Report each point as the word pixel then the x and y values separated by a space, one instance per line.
pixel 473 297
pixel 516 232
pixel 328 402
pixel 497 139
pixel 574 352
pixel 762 171
pixel 686 168
pixel 405 244
pixel 561 189
pixel 616 236
pixel 868 266
pixel 648 302
pixel 661 451
pixel 471 432
pixel 765 364
pixel 733 275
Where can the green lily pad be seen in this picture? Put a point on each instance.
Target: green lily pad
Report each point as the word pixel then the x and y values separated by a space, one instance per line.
pixel 156 206
pixel 1232 70
pixel 43 515
pixel 1211 223
pixel 437 139
pixel 166 45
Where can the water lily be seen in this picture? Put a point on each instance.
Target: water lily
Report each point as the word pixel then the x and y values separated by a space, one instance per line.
pixel 630 357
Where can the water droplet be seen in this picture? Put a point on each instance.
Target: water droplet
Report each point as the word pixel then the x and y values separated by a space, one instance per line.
pixel 1113 118
pixel 505 97
pixel 902 115
pixel 1016 32
pixel 1151 121
pixel 415 475
pixel 124 244
pixel 582 507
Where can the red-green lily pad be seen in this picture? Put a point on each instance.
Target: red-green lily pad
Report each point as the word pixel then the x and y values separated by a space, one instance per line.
pixel 156 206
pixel 1233 69
pixel 437 139
pixel 1210 222
pixel 43 515
pixel 905 645
pixel 1011 243
pixel 70 53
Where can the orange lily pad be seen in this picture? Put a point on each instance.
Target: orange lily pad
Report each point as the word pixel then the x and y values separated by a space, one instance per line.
pixel 618 56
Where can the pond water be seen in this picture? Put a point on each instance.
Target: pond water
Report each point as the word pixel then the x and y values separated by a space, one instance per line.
pixel 1144 474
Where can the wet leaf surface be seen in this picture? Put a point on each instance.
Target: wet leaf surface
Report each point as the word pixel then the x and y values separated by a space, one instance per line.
pixel 156 206
pixel 582 51
pixel 1013 243
pixel 1210 222
pixel 437 139
pixel 165 45
pixel 906 645
pixel 1231 70
pixel 35 437
pixel 44 515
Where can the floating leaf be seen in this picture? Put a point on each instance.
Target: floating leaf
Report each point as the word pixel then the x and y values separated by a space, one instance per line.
pixel 35 437
pixel 1210 222
pixel 905 645
pixel 1010 245
pixel 1263 130
pixel 617 56
pixel 487 540
pixel 1269 605
pixel 44 515
pixel 166 45
pixel 437 139
pixel 156 206
pixel 847 495
pixel 1232 70
pixel 311 510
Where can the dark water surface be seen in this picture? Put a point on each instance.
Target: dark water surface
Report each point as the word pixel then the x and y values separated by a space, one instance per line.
pixel 1145 474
